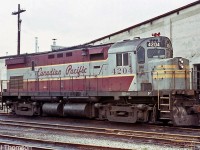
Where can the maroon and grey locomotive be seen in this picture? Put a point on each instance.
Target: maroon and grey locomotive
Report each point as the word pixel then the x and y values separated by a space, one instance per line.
pixel 130 81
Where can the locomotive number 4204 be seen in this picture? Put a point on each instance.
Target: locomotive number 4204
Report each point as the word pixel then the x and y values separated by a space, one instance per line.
pixel 153 44
pixel 122 70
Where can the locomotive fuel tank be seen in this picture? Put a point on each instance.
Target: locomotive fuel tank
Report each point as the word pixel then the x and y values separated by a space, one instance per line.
pixel 85 110
pixel 53 109
pixel 79 110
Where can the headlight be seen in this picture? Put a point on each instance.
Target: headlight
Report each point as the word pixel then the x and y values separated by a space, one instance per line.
pixel 180 63
pixel 181 60
pixel 181 66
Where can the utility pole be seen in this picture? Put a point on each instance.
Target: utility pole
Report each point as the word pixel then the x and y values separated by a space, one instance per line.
pixel 19 27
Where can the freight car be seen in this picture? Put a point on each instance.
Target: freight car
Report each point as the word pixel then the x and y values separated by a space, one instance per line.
pixel 130 81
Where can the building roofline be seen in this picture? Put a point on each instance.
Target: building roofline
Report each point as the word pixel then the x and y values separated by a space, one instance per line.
pixel 147 21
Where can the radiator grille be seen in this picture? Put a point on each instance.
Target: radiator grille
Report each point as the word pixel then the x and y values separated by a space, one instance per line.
pixel 16 82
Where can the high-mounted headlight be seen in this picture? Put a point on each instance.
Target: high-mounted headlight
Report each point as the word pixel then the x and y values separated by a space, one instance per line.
pixel 180 63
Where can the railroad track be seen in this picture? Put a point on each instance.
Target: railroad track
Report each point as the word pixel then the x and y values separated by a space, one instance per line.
pixel 183 140
pixel 5 113
pixel 51 145
pixel 174 128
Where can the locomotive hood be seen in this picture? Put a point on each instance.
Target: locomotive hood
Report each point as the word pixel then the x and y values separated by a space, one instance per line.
pixel 125 46
pixel 171 73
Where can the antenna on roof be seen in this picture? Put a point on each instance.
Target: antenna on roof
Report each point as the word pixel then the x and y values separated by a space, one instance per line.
pixel 54 42
pixel 36 45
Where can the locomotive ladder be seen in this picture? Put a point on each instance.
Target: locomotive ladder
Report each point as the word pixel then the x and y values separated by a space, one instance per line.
pixel 164 107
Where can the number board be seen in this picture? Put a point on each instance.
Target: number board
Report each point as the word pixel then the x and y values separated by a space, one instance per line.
pixel 153 43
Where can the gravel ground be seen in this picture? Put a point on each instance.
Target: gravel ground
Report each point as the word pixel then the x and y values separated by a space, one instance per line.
pixel 81 139
pixel 77 138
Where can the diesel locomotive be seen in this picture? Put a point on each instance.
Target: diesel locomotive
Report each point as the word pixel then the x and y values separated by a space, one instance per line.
pixel 129 81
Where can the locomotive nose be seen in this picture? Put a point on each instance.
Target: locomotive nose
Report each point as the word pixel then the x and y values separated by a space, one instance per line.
pixel 171 73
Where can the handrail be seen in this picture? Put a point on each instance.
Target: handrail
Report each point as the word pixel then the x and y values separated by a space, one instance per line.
pixel 158 93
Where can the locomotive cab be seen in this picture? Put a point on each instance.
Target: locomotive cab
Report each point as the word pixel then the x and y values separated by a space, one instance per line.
pixel 134 58
pixel 157 70
pixel 148 64
pixel 149 50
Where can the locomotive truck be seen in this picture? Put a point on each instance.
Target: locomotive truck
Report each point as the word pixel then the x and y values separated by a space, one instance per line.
pixel 129 81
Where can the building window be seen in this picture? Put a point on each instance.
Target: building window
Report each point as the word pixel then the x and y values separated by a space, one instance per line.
pixel 122 59
pixel 51 56
pixel 59 55
pixel 69 54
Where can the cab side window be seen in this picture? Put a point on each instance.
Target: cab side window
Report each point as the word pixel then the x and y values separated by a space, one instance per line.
pixel 119 59
pixel 122 59
pixel 125 59
pixel 141 55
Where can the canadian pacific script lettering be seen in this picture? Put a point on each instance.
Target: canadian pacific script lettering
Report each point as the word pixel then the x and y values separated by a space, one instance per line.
pixel 70 70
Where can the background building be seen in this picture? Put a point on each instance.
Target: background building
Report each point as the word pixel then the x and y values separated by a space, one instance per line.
pixel 182 26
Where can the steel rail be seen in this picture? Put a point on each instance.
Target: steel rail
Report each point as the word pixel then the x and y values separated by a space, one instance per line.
pixel 56 143
pixel 180 139
pixel 174 127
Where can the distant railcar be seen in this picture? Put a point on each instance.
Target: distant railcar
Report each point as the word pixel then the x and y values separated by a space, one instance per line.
pixel 129 81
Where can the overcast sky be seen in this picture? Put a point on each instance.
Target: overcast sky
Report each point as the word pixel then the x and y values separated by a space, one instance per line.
pixel 73 22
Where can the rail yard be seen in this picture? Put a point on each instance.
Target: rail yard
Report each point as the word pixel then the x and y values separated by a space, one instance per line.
pixel 112 93
pixel 59 133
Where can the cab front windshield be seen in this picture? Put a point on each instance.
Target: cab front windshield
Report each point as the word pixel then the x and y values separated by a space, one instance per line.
pixel 156 53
